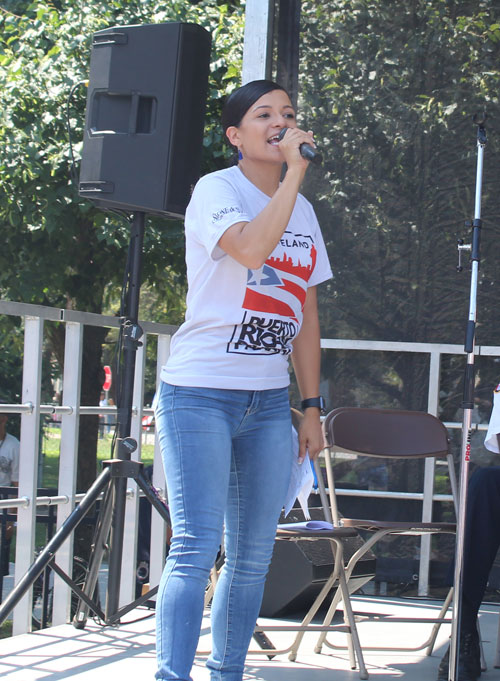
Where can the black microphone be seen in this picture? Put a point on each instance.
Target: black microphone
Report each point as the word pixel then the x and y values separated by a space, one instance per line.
pixel 306 150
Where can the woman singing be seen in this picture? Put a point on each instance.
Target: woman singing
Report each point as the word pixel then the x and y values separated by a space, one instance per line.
pixel 254 254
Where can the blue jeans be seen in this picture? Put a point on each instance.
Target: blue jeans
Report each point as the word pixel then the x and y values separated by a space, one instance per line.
pixel 227 456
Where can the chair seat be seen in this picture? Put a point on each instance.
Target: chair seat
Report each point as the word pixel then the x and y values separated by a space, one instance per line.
pixel 398 527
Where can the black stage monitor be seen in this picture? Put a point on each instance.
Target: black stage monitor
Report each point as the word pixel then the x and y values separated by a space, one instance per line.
pixel 144 121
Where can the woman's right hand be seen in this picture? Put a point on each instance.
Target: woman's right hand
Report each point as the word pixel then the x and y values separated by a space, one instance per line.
pixel 290 147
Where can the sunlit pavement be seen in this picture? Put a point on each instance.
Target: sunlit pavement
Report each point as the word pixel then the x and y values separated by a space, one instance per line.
pixel 127 652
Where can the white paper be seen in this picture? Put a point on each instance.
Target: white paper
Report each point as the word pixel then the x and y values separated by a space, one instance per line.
pixel 301 480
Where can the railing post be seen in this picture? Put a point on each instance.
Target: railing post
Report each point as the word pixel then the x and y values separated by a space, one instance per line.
pixel 68 462
pixel 28 465
pixel 128 574
pixel 158 526
pixel 429 475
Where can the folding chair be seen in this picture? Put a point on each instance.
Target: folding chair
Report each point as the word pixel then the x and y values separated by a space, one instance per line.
pixel 336 537
pixel 392 434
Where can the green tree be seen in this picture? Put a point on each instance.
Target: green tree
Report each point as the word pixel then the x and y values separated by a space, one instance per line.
pixel 390 89
pixel 58 249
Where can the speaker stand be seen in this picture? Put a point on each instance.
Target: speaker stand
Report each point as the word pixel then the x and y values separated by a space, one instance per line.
pixel 112 482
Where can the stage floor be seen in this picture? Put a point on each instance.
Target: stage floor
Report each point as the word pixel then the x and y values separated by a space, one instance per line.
pixel 127 653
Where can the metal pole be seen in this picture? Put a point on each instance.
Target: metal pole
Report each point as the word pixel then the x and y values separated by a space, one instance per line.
pixel 131 334
pixel 113 478
pixel 468 405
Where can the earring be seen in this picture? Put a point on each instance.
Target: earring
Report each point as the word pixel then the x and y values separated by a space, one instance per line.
pixel 240 155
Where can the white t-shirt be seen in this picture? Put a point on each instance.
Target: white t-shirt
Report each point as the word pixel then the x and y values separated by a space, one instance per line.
pixel 491 441
pixel 9 460
pixel 240 323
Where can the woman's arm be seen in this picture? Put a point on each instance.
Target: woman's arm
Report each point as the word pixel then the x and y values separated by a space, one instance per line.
pixel 251 243
pixel 306 360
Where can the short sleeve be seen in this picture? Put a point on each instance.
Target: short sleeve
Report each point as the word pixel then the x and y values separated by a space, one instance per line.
pixel 491 440
pixel 214 207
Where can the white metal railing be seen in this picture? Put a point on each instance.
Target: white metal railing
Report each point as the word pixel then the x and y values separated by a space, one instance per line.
pixel 435 352
pixel 56 409
pixel 24 502
pixel 30 409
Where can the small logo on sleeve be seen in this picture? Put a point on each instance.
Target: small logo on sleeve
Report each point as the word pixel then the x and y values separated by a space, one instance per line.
pixel 217 217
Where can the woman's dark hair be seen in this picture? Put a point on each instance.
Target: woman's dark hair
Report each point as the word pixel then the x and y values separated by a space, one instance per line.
pixel 240 100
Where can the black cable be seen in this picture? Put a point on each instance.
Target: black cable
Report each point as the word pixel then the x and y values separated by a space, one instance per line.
pixel 140 619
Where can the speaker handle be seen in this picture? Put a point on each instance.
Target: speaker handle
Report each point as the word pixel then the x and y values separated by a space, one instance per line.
pixel 109 39
pixel 142 114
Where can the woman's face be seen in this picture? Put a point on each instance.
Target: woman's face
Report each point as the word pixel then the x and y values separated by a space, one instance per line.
pixel 257 134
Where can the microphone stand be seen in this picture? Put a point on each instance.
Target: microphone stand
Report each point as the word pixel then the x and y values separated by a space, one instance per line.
pixel 468 401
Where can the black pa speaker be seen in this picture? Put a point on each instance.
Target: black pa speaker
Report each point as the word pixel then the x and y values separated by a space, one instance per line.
pixel 144 121
pixel 299 570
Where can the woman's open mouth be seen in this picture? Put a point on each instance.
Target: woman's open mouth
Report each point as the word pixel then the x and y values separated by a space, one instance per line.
pixel 274 140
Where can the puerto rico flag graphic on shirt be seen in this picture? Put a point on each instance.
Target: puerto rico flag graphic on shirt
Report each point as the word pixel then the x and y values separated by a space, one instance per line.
pixel 274 298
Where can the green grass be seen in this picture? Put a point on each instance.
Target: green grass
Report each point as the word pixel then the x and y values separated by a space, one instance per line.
pixel 50 454
pixel 50 469
pixel 6 629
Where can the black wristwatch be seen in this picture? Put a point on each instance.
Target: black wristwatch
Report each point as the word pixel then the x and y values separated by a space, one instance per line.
pixel 318 402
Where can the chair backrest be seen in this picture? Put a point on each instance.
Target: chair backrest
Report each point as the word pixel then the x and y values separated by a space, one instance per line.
pixel 386 432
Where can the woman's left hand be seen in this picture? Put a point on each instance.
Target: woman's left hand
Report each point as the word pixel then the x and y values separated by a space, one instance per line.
pixel 311 435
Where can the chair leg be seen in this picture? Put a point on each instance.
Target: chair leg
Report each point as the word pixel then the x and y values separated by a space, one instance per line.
pixel 348 569
pixel 363 673
pixel 435 628
pixel 214 576
pixel 497 658
pixel 328 619
pixel 350 645
pixel 312 612
pixel 353 644
pixel 484 666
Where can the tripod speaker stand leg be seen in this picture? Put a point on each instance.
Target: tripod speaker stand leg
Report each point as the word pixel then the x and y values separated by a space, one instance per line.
pixel 97 552
pixel 119 472
pixel 47 555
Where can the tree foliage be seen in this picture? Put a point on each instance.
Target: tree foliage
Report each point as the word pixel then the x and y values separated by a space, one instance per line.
pixel 66 250
pixel 58 249
pixel 390 90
